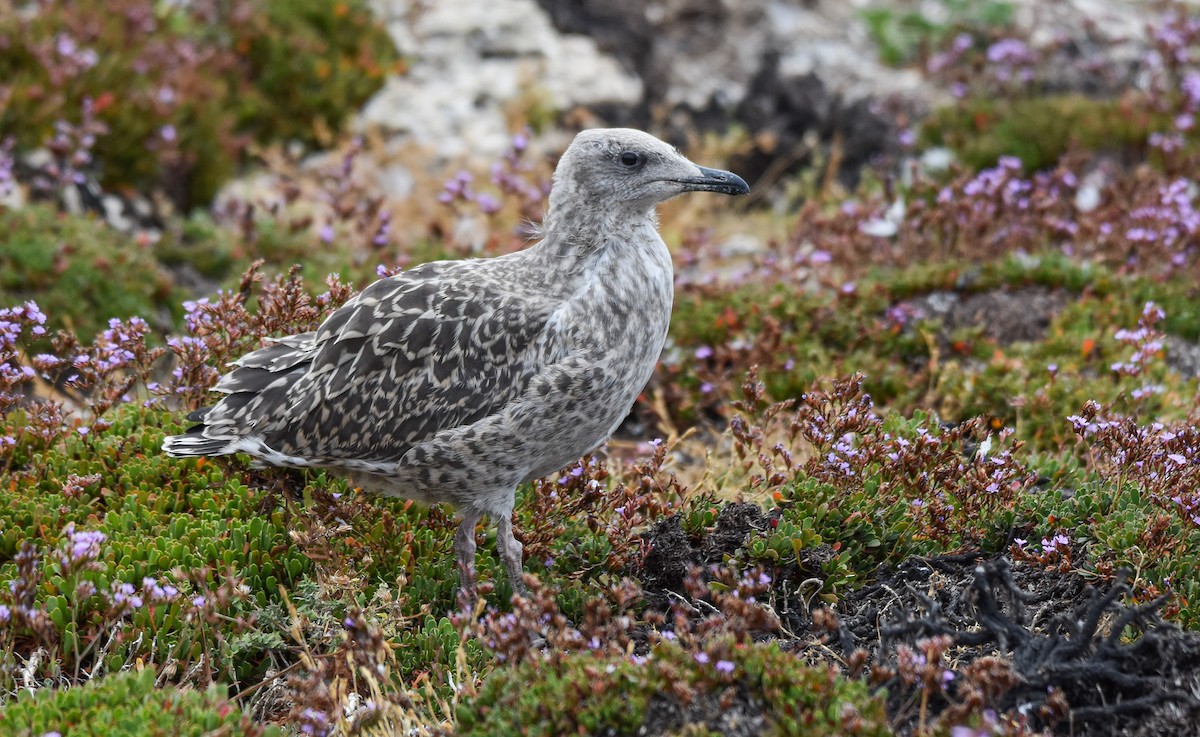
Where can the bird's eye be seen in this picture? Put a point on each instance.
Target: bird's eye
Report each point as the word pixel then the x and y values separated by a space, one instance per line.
pixel 630 159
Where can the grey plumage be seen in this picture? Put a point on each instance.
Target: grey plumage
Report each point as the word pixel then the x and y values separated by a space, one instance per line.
pixel 455 381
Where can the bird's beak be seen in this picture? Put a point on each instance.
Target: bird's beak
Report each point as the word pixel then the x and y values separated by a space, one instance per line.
pixel 715 180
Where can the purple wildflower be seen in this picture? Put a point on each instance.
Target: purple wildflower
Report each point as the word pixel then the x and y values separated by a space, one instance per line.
pixel 488 204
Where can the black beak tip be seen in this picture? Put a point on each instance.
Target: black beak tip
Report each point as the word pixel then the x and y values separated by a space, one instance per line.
pixel 737 185
pixel 718 180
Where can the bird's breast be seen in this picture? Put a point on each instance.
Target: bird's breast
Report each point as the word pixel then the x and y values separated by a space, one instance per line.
pixel 616 327
pixel 626 304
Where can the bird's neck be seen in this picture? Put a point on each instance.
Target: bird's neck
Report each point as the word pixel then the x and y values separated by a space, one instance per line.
pixel 620 262
pixel 576 242
pixel 615 282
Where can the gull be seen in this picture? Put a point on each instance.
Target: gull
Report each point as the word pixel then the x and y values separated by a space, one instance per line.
pixel 457 381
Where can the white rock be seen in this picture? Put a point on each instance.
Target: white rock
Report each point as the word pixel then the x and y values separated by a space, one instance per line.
pixel 937 159
pixel 1089 194
pixel 741 244
pixel 471 59
pixel 888 225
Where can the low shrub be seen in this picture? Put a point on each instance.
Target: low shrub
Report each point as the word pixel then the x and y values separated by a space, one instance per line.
pixel 168 96
pixel 672 690
pixel 310 65
pixel 81 272
pixel 102 524
pixel 1041 130
pixel 912 359
pixel 128 705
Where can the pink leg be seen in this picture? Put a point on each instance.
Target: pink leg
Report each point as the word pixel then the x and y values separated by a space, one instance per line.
pixel 510 554
pixel 464 550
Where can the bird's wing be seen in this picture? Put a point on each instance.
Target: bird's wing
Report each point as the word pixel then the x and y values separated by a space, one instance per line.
pixel 414 354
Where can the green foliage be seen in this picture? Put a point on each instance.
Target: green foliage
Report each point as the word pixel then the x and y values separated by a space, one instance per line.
pixel 1039 130
pixel 796 337
pixel 587 694
pixel 880 510
pixel 901 35
pixel 348 560
pixel 1125 524
pixel 1050 269
pixel 221 253
pixel 163 518
pixel 199 242
pixel 434 640
pixel 312 62
pixel 862 532
pixel 80 271
pixel 898 488
pixel 128 705
pixel 183 88
pixel 142 494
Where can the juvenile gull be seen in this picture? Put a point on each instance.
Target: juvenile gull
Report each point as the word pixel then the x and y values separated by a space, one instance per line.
pixel 455 381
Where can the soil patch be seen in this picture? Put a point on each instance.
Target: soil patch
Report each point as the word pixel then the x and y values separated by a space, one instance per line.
pixel 1006 316
pixel 738 714
pixel 672 552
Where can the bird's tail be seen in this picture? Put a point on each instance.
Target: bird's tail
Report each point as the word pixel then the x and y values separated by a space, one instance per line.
pixel 187 446
pixel 195 443
pixel 258 383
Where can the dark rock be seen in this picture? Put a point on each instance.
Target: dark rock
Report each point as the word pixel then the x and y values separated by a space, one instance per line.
pixel 1005 315
pixel 706 66
pixel 744 717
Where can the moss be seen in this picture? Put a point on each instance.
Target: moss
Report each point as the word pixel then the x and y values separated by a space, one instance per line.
pixel 128 705
pixel 80 271
pixel 1039 130
pixel 587 694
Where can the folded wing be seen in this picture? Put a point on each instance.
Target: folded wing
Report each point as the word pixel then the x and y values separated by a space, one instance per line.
pixel 412 355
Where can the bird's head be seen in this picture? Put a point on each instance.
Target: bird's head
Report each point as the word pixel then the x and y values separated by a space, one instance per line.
pixel 628 170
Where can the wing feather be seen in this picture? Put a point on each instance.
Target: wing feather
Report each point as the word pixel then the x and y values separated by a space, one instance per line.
pixel 412 355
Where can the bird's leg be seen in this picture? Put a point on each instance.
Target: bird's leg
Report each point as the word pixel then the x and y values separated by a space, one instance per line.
pixel 464 549
pixel 510 553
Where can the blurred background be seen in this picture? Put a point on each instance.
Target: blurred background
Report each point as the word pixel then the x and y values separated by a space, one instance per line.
pixel 151 151
pixel 169 119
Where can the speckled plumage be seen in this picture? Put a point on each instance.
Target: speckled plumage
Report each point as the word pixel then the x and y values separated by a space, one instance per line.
pixel 457 380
